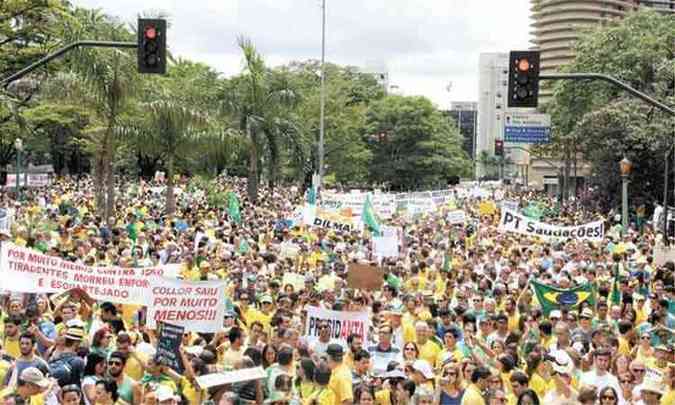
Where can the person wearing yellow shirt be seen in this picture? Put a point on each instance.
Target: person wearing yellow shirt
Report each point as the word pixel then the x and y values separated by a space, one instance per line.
pixel 324 395
pixel 32 386
pixel 429 349
pixel 341 377
pixel 136 361
pixel 513 317
pixel 519 382
pixel 248 312
pixel 479 382
pixel 10 339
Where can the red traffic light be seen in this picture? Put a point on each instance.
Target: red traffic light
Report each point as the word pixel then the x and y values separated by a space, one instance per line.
pixel 523 65
pixel 150 32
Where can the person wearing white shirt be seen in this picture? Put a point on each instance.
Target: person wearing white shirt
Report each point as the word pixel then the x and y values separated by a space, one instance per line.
pixel 599 377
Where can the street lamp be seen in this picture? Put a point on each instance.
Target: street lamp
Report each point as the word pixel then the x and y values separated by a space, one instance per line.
pixel 18 144
pixel 625 167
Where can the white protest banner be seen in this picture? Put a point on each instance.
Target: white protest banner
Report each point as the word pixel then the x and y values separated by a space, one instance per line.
pixel 34 180
pixel 342 324
pixel 385 246
pixel 230 377
pixel 513 222
pixel 456 217
pixel 196 306
pixel 34 272
pixel 316 216
pixel 663 254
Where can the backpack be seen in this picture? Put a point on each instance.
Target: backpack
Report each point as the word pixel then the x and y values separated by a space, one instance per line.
pixel 61 369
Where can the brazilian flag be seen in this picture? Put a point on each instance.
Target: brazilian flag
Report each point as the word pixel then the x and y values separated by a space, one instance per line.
pixel 551 298
pixel 369 218
pixel 233 207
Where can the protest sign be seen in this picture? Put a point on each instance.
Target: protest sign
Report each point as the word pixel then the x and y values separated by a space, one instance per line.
pixel 365 276
pixel 341 323
pixel 511 221
pixel 663 254
pixel 230 377
pixel 34 180
pixel 385 246
pixel 320 217
pixel 168 346
pixel 195 305
pixel 456 217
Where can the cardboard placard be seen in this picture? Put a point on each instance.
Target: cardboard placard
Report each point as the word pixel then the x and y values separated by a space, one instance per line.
pixel 168 345
pixel 365 276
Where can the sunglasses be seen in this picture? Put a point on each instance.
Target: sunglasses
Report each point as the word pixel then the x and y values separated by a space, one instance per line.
pixel 114 363
pixel 638 370
pixel 611 397
pixel 409 349
pixel 626 382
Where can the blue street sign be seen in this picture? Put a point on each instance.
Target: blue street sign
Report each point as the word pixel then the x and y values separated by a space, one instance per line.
pixel 527 134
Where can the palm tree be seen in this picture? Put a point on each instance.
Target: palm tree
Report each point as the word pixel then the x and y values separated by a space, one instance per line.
pixel 259 102
pixel 175 126
pixel 103 80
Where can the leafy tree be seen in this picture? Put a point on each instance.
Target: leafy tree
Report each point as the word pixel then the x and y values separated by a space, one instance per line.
pixel 104 80
pixel 413 144
pixel 604 123
pixel 348 94
pixel 259 102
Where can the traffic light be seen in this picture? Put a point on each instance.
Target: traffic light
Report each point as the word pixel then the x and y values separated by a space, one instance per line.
pixel 499 147
pixel 151 45
pixel 523 78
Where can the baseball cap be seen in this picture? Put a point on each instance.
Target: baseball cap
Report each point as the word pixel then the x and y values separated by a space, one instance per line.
pixel 33 375
pixel 335 350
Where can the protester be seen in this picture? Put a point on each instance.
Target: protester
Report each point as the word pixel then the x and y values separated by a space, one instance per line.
pixel 478 311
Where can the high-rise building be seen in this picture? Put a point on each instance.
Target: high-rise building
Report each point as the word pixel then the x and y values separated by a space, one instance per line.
pixel 557 25
pixel 465 114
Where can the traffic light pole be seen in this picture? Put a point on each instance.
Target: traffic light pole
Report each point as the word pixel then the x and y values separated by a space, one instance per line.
pixel 598 76
pixel 84 44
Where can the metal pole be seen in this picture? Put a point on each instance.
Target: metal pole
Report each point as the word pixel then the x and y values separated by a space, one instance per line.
pixel 18 171
pixel 100 44
pixel 624 202
pixel 665 199
pixel 323 92
pixel 610 79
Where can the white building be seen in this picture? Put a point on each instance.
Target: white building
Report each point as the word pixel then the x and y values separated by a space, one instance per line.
pixel 492 95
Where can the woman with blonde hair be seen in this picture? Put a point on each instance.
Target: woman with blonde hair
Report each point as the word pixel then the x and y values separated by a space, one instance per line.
pixel 450 389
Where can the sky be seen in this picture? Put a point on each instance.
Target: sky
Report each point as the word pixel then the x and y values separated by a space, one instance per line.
pixel 428 47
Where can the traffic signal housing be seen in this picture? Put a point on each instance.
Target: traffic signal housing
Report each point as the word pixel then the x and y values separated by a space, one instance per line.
pixel 499 147
pixel 151 45
pixel 523 78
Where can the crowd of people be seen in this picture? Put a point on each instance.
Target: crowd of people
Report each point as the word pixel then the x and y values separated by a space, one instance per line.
pixel 456 320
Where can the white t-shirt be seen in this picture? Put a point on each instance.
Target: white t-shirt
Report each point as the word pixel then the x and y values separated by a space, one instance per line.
pixel 600 382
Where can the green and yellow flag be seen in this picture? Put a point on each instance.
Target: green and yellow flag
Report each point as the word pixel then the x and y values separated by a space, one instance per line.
pixel 552 298
pixel 233 207
pixel 369 218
